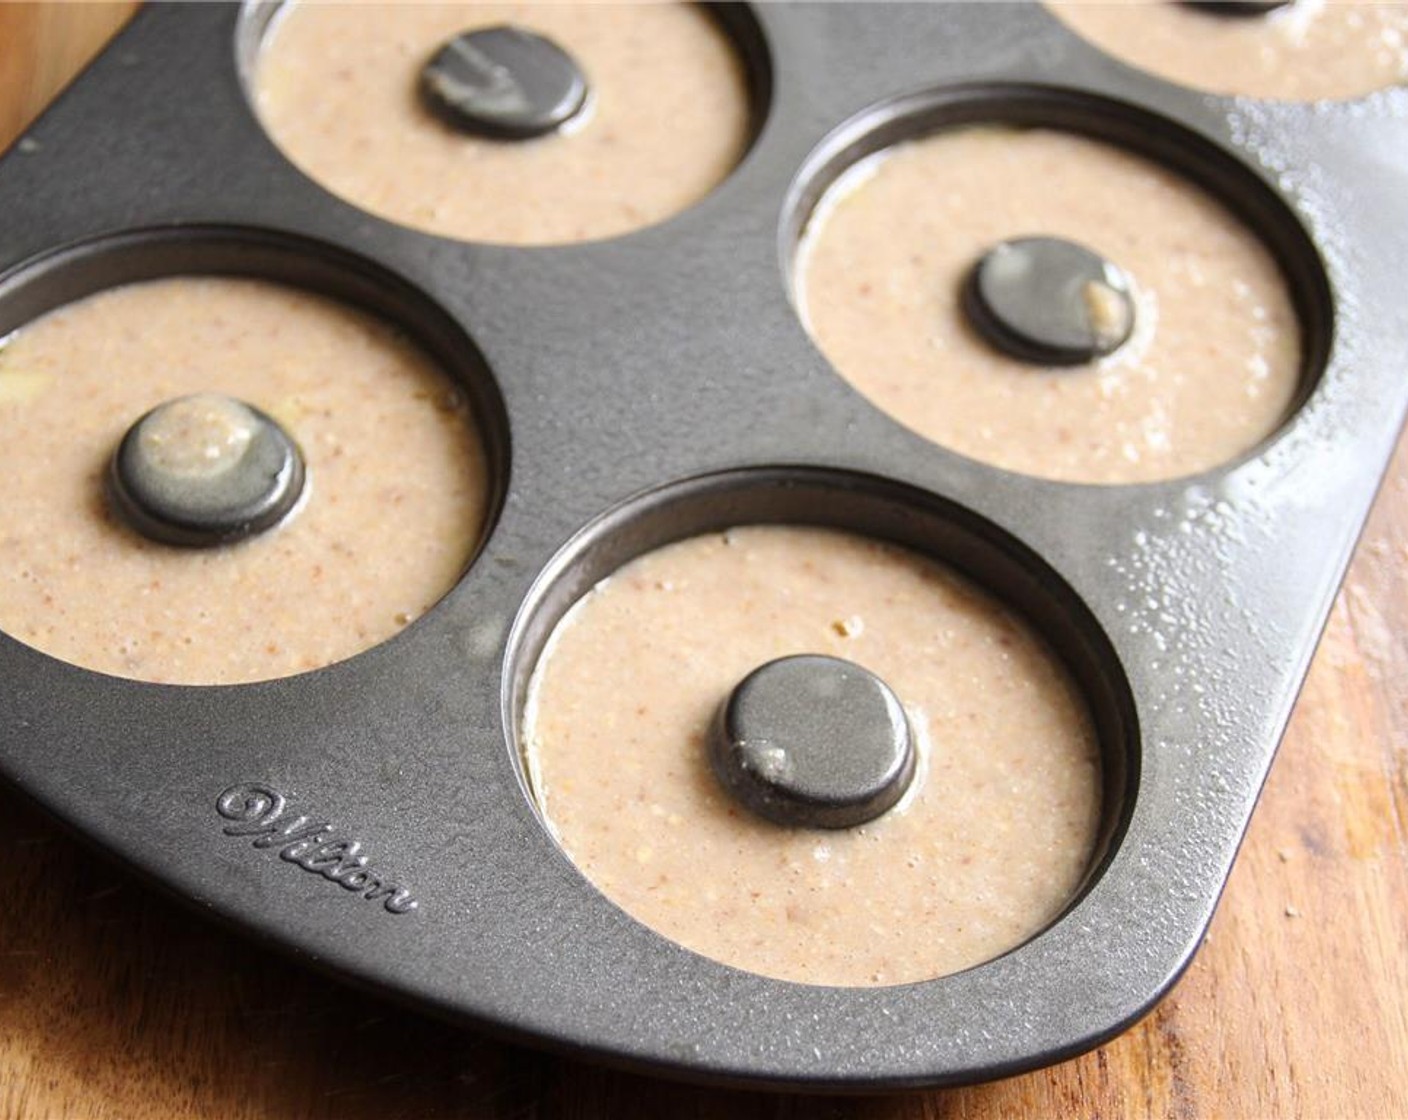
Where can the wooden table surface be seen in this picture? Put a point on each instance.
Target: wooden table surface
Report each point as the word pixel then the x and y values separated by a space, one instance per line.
pixel 117 1003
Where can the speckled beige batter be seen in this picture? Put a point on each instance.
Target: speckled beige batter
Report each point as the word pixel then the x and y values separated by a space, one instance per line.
pixel 1211 369
pixel 1305 51
pixel 983 852
pixel 337 87
pixel 393 509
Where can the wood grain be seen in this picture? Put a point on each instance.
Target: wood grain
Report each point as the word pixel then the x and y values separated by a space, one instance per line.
pixel 117 1003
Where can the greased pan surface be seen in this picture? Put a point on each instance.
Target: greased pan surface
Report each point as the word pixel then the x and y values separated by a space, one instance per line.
pixel 405 749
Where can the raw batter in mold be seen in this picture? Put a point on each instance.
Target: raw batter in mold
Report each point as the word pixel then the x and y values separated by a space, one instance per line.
pixel 1304 51
pixel 1211 369
pixel 337 87
pixel 380 534
pixel 984 850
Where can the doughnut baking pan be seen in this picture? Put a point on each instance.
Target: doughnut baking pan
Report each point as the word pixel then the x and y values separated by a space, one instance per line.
pixel 642 389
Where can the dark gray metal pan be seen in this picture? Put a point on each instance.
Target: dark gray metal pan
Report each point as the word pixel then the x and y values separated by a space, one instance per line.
pixel 620 386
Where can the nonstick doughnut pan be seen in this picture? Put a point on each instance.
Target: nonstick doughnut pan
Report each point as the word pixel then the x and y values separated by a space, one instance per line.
pixel 642 389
